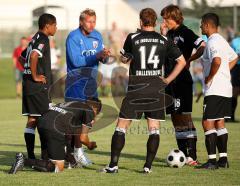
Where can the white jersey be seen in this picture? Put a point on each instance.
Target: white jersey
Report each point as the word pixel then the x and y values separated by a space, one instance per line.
pixel 220 85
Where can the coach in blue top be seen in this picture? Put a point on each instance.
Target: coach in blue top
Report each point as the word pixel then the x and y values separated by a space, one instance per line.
pixel 84 50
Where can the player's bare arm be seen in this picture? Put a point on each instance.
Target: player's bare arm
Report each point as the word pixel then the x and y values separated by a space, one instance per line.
pixel 181 62
pixel 214 68
pixel 33 66
pixel 197 54
pixel 85 139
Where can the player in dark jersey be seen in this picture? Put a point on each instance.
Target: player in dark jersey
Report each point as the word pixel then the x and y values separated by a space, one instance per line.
pixel 147 50
pixel 75 118
pixel 36 77
pixel 181 89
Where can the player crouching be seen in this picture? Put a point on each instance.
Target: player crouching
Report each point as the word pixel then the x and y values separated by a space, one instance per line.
pixel 70 118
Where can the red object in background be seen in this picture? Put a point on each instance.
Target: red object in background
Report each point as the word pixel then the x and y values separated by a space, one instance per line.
pixel 16 54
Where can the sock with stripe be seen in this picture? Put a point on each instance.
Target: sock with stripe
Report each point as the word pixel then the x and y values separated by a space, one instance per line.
pixel 182 141
pixel 222 138
pixel 118 142
pixel 29 136
pixel 211 143
pixel 152 147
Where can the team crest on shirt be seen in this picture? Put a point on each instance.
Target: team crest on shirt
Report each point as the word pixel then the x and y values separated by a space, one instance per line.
pixel 177 39
pixel 95 44
pixel 40 46
pixel 81 42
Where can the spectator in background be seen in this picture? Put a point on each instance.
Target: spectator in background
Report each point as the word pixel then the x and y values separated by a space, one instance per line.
pixel 230 33
pixel 18 68
pixel 116 37
pixel 120 72
pixel 197 75
pixel 235 73
pixel 55 67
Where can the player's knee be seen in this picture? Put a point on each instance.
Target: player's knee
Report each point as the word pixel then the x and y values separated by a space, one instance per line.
pixel 31 124
pixel 123 124
pixel 183 122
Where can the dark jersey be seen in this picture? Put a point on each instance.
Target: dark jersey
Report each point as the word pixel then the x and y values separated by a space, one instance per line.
pixel 66 117
pixel 149 50
pixel 40 44
pixel 186 40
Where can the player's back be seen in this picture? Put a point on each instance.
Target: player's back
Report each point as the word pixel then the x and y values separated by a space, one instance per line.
pixel 149 51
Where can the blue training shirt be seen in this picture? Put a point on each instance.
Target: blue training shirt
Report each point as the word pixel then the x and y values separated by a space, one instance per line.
pixel 235 44
pixel 82 64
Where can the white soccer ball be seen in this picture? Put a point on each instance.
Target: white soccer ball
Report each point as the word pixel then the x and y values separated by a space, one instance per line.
pixel 176 158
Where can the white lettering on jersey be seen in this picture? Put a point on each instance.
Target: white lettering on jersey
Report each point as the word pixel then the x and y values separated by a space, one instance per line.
pixel 177 103
pixel 89 52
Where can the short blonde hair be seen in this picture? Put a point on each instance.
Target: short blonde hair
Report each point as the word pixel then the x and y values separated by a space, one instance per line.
pixel 85 12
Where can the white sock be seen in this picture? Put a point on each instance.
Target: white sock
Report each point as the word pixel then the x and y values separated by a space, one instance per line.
pixel 78 151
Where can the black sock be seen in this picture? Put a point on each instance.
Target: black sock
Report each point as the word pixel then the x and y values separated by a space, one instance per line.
pixel 192 143
pixel 234 106
pixel 222 138
pixel 182 141
pixel 29 136
pixel 211 143
pixel 152 147
pixel 118 141
pixel 192 148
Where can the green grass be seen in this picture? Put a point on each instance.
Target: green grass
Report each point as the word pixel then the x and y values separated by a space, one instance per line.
pixel 132 159
pixel 7 79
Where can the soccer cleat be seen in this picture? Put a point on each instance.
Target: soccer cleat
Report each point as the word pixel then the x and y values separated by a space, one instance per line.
pixel 223 164
pixel 192 162
pixel 18 164
pixel 146 170
pixel 82 159
pixel 108 169
pixel 208 165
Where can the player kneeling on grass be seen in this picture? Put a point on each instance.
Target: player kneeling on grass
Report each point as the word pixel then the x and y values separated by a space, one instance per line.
pixel 61 120
pixel 146 50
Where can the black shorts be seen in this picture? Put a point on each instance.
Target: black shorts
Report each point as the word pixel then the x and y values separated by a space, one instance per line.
pixel 146 94
pixel 235 73
pixel 182 94
pixel 152 106
pixel 216 107
pixel 35 104
pixel 130 111
pixel 51 139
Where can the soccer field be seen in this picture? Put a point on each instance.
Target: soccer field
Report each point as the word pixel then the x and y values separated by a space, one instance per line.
pixel 132 159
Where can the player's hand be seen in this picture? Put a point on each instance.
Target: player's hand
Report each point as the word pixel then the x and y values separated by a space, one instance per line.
pixel 40 79
pixel 165 80
pixel 125 57
pixel 102 55
pixel 92 145
pixel 163 29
